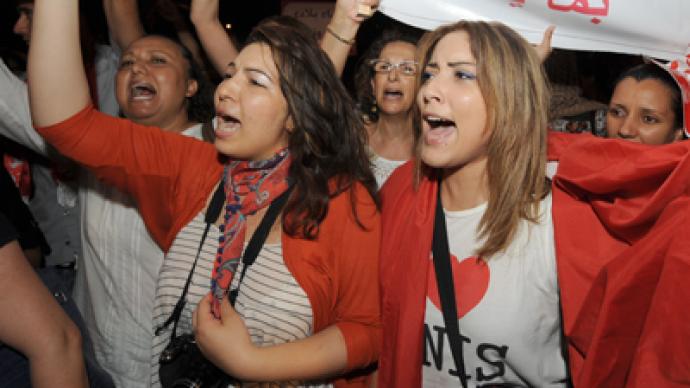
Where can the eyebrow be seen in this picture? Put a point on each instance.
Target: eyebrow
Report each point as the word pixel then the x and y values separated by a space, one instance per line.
pixel 233 66
pixel 255 70
pixel 461 63
pixel 129 51
pixel 652 110
pixel 451 64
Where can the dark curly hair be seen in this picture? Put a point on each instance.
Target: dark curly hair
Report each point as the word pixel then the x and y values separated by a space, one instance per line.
pixel 366 101
pixel 327 146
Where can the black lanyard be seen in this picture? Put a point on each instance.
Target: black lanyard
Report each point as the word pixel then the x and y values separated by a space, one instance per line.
pixel 259 237
pixel 446 288
pixel 248 257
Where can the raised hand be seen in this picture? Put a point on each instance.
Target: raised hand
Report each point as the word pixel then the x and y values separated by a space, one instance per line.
pixel 544 48
pixel 356 10
pixel 341 30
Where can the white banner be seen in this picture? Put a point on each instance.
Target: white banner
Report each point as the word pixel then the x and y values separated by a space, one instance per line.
pixel 657 28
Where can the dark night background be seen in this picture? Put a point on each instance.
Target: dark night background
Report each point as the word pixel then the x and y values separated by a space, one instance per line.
pixel 596 70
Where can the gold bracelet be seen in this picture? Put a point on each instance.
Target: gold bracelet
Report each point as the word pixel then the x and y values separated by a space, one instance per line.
pixel 340 38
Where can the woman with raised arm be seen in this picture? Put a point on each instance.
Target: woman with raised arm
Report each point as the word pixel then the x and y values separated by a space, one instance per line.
pixel 308 308
pixel 385 78
pixel 156 83
pixel 384 82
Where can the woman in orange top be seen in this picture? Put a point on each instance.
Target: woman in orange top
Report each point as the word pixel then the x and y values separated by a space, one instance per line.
pixel 283 119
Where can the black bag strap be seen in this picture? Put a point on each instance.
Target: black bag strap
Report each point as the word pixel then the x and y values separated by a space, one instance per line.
pixel 564 344
pixel 446 288
pixel 259 237
pixel 212 213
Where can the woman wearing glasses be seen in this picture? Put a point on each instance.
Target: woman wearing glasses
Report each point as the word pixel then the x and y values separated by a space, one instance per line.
pixel 385 83
pixel 385 90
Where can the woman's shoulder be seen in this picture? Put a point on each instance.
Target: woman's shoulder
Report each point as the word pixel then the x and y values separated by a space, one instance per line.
pixel 356 197
pixel 399 185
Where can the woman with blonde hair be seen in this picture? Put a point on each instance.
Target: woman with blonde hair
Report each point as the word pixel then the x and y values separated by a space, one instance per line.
pixel 485 310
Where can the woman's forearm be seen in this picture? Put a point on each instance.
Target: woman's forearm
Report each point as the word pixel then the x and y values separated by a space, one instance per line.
pixel 335 47
pixel 32 322
pixel 62 365
pixel 57 83
pixel 320 356
pixel 124 23
pixel 216 43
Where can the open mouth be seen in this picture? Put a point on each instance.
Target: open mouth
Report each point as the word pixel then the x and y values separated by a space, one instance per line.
pixel 438 122
pixel 392 93
pixel 226 124
pixel 142 91
pixel 440 130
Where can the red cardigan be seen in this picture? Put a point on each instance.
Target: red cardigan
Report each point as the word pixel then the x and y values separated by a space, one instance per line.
pixel 171 178
pixel 622 235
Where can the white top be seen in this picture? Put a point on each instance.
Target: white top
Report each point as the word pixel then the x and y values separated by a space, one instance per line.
pixel 54 202
pixel 507 308
pixel 274 307
pixel 383 168
pixel 116 285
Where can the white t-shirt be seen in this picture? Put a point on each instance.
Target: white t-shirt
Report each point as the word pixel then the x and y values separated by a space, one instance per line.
pixel 507 305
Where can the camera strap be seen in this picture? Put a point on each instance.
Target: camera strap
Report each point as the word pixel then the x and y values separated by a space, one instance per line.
pixel 212 213
pixel 446 287
pixel 250 253
pixel 259 237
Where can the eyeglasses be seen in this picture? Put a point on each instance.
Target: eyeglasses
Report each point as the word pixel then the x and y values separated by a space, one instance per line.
pixel 408 68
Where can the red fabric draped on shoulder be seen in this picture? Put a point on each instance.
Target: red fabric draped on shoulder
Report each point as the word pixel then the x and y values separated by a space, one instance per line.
pixel 621 227
pixel 407 219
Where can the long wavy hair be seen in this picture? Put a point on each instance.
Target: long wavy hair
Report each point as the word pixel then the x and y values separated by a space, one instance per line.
pixel 327 145
pixel 514 88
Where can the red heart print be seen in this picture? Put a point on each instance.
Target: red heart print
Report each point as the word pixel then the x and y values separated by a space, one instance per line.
pixel 470 279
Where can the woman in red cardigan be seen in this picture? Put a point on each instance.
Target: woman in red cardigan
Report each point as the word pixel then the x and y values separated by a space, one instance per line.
pixel 308 307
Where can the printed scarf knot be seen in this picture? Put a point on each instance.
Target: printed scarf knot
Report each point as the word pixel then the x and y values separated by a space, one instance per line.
pixel 249 187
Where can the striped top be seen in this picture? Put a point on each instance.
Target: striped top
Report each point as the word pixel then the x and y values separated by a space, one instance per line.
pixel 274 307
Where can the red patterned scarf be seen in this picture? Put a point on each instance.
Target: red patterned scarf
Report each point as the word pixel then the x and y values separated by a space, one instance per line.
pixel 249 187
